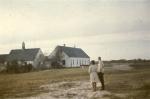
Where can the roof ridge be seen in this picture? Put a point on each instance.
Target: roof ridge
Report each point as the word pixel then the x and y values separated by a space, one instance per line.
pixel 69 47
pixel 26 49
pixel 74 52
pixel 23 54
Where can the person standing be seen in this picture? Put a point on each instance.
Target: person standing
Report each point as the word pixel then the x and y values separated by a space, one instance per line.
pixel 93 75
pixel 100 71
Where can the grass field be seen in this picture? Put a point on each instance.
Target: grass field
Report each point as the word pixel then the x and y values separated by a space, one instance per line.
pixel 133 84
pixel 22 85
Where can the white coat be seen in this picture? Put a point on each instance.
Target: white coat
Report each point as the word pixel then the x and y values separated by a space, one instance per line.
pixel 100 66
pixel 93 73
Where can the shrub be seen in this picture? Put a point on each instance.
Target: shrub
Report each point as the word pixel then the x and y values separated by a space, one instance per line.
pixel 14 67
pixel 55 64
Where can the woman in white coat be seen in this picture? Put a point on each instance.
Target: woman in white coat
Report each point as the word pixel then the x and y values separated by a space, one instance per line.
pixel 93 75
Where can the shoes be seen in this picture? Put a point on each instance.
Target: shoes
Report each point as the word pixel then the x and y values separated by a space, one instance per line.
pixel 102 88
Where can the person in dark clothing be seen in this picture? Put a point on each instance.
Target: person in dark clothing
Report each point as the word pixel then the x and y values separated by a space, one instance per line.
pixel 100 71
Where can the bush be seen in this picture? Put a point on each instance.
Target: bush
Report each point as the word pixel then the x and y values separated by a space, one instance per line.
pixel 56 65
pixel 3 69
pixel 14 67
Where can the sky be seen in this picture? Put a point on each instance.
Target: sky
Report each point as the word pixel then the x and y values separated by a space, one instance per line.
pixel 112 29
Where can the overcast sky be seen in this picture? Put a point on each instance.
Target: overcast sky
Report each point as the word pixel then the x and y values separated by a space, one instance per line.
pixel 112 29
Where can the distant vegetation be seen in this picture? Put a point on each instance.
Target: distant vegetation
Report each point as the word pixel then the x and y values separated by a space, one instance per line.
pixel 129 61
pixel 14 67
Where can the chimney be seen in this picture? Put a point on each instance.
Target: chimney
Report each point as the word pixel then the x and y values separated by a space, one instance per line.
pixel 64 45
pixel 23 45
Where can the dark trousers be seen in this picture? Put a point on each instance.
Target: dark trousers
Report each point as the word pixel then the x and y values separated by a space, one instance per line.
pixel 101 78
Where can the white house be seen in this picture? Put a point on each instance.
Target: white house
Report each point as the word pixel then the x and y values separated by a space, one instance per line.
pixel 70 56
pixel 33 56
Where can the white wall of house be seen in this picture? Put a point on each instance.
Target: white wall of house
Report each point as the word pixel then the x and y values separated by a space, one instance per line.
pixel 39 58
pixel 66 58
pixel 77 62
pixel 74 61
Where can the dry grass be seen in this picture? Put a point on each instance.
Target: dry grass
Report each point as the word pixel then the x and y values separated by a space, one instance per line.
pixel 27 84
pixel 135 83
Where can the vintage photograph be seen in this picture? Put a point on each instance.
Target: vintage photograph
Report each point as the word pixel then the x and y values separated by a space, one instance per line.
pixel 74 49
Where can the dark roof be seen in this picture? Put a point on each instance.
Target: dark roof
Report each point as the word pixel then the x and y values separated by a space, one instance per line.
pixel 73 52
pixel 3 57
pixel 23 54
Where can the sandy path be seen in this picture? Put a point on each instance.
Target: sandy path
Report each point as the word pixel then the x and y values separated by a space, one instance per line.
pixel 71 90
